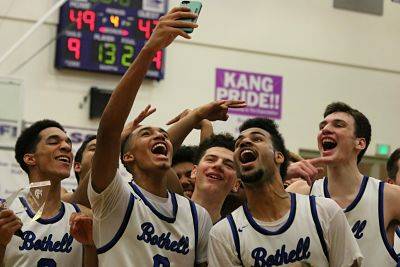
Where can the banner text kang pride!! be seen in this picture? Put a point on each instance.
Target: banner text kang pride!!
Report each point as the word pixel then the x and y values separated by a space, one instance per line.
pixel 262 92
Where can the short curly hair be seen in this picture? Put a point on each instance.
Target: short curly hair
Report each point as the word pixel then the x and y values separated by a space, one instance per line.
pixel 184 154
pixel 29 138
pixel 278 142
pixel 216 140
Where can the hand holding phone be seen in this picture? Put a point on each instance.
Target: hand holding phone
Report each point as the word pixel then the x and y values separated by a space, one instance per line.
pixel 195 7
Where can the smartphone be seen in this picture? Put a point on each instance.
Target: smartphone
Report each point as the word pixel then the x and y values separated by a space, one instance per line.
pixel 195 7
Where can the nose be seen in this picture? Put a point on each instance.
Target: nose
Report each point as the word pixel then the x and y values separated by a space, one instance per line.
pixel 159 135
pixel 66 146
pixel 245 142
pixel 326 129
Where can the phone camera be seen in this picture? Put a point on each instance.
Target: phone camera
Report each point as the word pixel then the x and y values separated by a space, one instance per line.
pixel 185 2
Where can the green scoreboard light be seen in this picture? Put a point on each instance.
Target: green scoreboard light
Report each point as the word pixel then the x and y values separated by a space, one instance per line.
pixel 382 150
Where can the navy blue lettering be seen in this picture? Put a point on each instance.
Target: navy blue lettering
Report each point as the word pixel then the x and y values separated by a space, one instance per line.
pixel 281 257
pixel 46 244
pixel 358 229
pixel 163 241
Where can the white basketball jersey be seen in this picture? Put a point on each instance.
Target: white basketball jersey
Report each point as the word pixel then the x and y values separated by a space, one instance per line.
pixel 148 238
pixel 299 240
pixel 46 242
pixel 365 216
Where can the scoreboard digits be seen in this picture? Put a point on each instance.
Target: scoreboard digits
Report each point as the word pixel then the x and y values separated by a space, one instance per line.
pixel 107 35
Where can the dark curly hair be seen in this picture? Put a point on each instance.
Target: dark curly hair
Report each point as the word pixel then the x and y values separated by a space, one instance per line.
pixel 391 165
pixel 278 142
pixel 361 123
pixel 185 154
pixel 29 138
pixel 216 140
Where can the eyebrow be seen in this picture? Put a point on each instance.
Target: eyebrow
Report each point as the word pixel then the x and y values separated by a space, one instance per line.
pixel 251 133
pixel 58 137
pixel 149 128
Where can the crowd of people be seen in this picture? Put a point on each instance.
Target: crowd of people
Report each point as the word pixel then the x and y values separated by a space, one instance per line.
pixel 241 201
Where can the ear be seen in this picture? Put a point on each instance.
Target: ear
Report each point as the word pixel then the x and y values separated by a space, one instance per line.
pixel 236 186
pixel 193 174
pixel 128 158
pixel 29 160
pixel 360 143
pixel 279 158
pixel 77 167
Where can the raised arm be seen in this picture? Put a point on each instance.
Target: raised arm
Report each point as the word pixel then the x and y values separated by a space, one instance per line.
pixel 105 159
pixel 188 120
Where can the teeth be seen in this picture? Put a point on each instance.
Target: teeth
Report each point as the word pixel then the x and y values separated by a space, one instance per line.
pixel 64 159
pixel 246 151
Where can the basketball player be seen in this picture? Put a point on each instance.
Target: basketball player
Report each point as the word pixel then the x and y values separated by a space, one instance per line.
pixel 392 168
pixel 214 173
pixel 275 227
pixel 145 225
pixel 370 205
pixel 43 151
pixel 182 163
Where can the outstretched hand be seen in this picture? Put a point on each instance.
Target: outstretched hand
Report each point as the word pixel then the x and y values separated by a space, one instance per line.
pixel 81 228
pixel 216 110
pixel 307 169
pixel 132 125
pixel 169 27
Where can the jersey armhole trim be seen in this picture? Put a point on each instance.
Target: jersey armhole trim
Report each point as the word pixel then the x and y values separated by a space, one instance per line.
pixel 318 226
pixel 121 229
pixel 196 227
pixel 235 236
pixel 389 248
pixel 76 207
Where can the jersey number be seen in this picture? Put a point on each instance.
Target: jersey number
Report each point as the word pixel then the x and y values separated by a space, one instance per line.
pixel 45 262
pixel 159 260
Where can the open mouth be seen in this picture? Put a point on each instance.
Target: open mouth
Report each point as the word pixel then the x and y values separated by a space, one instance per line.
pixel 214 176
pixel 64 159
pixel 328 144
pixel 247 156
pixel 159 148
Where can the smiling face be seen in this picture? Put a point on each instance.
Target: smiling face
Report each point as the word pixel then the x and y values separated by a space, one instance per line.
pixel 215 173
pixel 149 149
pixel 184 170
pixel 86 162
pixel 52 157
pixel 336 138
pixel 255 157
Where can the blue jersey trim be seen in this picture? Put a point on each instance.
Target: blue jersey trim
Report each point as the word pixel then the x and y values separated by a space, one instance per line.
pixel 235 236
pixel 121 229
pixel 196 226
pixel 76 207
pixel 317 223
pixel 153 209
pixel 284 227
pixel 398 232
pixel 361 191
pixel 382 228
pixel 52 220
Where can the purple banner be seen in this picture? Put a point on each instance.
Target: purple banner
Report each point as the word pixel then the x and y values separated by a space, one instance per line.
pixel 262 92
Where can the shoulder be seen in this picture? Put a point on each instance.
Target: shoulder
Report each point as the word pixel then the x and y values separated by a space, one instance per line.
pixel 327 209
pixel 299 187
pixel 221 229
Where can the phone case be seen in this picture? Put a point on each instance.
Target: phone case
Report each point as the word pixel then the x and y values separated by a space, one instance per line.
pixel 195 7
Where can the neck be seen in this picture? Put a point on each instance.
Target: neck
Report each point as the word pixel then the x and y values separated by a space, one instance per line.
pixel 268 201
pixel 53 198
pixel 212 204
pixel 153 182
pixel 343 178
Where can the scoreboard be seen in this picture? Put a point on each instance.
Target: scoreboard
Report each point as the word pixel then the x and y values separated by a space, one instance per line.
pixel 107 35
